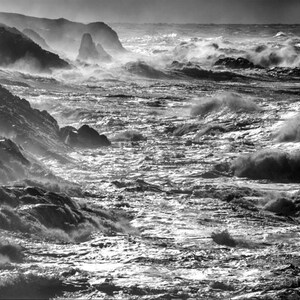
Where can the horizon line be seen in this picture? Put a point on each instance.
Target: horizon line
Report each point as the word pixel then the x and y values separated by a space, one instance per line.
pixel 148 23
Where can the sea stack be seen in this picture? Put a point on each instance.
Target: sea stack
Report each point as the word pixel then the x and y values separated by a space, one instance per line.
pixel 88 52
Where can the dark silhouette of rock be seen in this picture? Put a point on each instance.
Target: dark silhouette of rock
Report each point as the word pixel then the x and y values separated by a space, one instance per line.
pixel 64 35
pixel 13 164
pixel 85 137
pixel 38 214
pixel 37 39
pixel 35 130
pixel 236 63
pixel 16 47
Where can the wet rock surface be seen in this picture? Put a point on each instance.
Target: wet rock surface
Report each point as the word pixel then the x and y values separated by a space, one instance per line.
pixel 85 137
pixel 236 63
pixel 195 230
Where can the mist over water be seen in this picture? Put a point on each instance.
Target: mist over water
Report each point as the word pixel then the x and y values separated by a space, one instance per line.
pixel 165 169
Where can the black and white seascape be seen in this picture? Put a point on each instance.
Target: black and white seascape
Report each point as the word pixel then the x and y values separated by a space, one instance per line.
pixel 149 149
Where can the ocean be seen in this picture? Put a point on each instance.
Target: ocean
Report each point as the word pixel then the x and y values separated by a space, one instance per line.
pixel 194 144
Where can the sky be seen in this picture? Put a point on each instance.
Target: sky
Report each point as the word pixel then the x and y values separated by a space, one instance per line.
pixel 161 11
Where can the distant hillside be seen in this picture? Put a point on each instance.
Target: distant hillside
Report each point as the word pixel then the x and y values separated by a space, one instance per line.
pixel 64 35
pixel 37 39
pixel 15 47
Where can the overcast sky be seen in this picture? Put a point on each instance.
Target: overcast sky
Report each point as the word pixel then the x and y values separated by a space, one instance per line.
pixel 161 11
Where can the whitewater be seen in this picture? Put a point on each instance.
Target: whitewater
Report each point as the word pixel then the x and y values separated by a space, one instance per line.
pixel 194 145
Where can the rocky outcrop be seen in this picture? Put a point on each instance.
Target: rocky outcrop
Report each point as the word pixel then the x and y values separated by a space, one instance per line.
pixel 49 215
pixel 15 47
pixel 37 131
pixel 236 63
pixel 37 39
pixel 88 52
pixel 84 137
pixel 64 35
pixel 13 164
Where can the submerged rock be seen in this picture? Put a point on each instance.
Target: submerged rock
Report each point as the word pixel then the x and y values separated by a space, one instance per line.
pixel 129 135
pixel 15 47
pixel 141 68
pixel 85 137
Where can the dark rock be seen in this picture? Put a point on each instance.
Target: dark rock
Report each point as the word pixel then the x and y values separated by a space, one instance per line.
pixel 65 35
pixel 85 137
pixel 37 39
pixel 15 46
pixel 13 164
pixel 55 216
pixel 236 63
pixel 287 73
pixel 35 130
pixel 223 238
pixel 281 206
pixel 195 71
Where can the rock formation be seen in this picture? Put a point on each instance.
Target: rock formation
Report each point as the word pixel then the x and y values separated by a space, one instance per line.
pixel 37 39
pixel 87 50
pixel 85 137
pixel 37 131
pixel 16 47
pixel 236 63
pixel 65 35
pixel 90 53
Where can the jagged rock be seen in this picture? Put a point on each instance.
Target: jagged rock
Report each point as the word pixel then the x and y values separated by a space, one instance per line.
pixel 13 164
pixel 236 63
pixel 53 216
pixel 37 38
pixel 65 35
pixel 35 130
pixel 85 137
pixel 15 46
